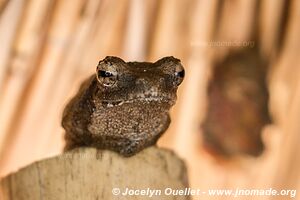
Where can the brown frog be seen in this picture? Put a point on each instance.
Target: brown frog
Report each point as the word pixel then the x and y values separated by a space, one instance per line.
pixel 237 109
pixel 124 107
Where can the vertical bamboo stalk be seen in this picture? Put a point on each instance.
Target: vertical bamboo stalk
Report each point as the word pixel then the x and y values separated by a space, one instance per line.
pixel 107 35
pixel 193 94
pixel 271 16
pixel 236 21
pixel 10 18
pixel 170 28
pixel 288 163
pixel 136 30
pixel 9 21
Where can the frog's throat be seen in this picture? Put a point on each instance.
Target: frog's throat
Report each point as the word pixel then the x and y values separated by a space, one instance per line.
pixel 145 100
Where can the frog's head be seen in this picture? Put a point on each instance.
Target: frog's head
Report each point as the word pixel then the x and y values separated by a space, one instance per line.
pixel 121 82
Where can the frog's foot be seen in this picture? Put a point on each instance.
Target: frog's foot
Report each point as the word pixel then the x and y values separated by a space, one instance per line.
pixel 131 147
pixel 71 143
pixel 69 146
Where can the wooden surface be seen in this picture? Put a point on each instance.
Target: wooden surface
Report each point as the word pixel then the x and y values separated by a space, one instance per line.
pixel 87 173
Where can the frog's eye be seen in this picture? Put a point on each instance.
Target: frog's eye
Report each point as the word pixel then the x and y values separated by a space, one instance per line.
pixel 179 74
pixel 106 74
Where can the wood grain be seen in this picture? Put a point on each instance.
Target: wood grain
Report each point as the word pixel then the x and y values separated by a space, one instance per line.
pixel 87 173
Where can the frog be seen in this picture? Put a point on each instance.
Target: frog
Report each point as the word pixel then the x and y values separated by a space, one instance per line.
pixel 124 106
pixel 237 108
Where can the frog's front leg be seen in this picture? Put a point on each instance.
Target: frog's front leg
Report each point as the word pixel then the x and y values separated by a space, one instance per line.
pixel 131 147
pixel 72 143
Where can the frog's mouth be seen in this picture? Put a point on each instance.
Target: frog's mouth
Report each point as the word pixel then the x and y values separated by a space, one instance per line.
pixel 156 99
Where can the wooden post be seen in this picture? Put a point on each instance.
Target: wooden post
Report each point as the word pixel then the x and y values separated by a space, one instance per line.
pixel 88 173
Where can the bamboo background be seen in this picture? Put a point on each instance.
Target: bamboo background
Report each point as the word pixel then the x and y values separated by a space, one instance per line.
pixel 47 47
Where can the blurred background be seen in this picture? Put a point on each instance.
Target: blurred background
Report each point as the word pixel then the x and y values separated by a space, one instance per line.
pixel 236 121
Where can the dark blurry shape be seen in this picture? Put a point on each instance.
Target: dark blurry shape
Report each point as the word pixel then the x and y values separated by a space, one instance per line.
pixel 237 106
